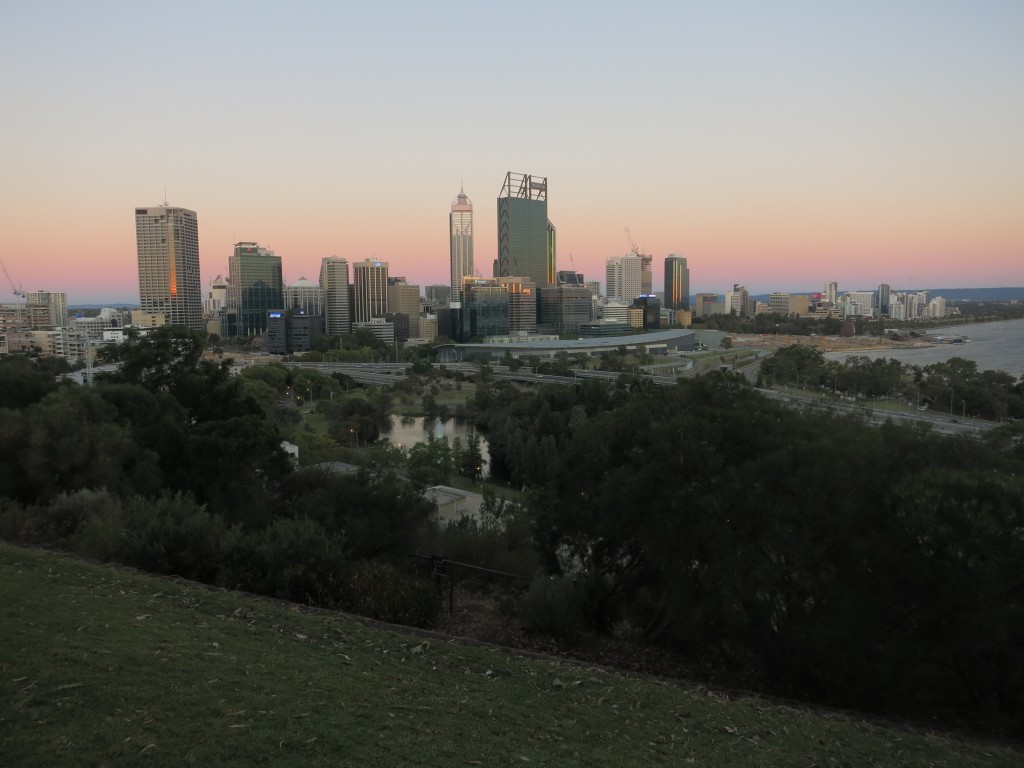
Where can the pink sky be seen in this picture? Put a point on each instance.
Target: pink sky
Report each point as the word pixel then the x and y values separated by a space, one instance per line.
pixel 775 145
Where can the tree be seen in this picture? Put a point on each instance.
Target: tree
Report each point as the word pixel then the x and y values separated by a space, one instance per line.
pixel 22 382
pixel 158 360
pixel 471 459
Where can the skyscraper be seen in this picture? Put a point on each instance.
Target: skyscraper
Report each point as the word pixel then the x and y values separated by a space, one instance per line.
pixel 167 243
pixel 883 299
pixel 370 279
pixel 255 286
pixel 831 293
pixel 526 239
pixel 460 232
pixel 677 282
pixel 404 298
pixel 337 304
pixel 623 279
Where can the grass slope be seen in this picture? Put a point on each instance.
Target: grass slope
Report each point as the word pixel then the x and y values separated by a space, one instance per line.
pixel 103 667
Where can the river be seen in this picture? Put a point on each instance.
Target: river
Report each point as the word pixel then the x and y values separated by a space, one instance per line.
pixel 995 346
pixel 409 431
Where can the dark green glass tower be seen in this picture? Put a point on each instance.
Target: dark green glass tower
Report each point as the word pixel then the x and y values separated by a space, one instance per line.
pixel 526 239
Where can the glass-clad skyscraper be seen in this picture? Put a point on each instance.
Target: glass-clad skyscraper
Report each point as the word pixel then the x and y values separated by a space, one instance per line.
pixel 167 243
pixel 677 282
pixel 460 233
pixel 526 239
pixel 255 286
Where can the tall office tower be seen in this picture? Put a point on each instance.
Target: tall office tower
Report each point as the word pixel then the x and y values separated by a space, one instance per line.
pixel 623 280
pixel 522 304
pixel 646 274
pixel 526 239
pixel 56 305
pixel 404 299
pixel 831 293
pixel 738 300
pixel 677 282
pixel 167 243
pixel 565 308
pixel 883 299
pixel 484 310
pixel 305 296
pixel 337 304
pixel 255 286
pixel 370 280
pixel 460 233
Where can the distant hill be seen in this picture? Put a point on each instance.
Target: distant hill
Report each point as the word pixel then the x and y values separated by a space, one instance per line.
pixel 978 294
pixel 949 294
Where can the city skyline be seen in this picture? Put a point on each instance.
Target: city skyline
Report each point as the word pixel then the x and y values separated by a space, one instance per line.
pixel 775 145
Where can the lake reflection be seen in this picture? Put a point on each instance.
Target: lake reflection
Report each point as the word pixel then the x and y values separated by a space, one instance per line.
pixel 408 431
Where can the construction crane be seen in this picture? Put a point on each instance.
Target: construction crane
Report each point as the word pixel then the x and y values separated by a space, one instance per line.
pixel 16 289
pixel 632 245
pixel 18 292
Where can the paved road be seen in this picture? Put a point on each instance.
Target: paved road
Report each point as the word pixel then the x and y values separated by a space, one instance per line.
pixel 390 373
pixel 939 422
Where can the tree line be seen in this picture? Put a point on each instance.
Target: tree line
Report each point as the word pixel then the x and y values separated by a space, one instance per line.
pixel 173 465
pixel 955 385
pixel 858 565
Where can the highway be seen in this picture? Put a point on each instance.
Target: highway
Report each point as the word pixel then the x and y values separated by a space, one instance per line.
pixel 386 374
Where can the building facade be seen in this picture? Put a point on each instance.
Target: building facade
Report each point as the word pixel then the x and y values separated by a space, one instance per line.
pixel 623 278
pixel 370 290
pixel 255 287
pixel 404 299
pixel 290 331
pixel 460 235
pixel 337 296
pixel 526 238
pixel 677 282
pixel 167 245
pixel 56 303
pixel 564 309
pixel 484 309
pixel 522 304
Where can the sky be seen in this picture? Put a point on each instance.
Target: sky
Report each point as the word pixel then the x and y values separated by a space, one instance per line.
pixel 777 144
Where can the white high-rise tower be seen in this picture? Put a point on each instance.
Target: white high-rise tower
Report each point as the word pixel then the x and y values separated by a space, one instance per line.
pixel 337 307
pixel 460 231
pixel 167 243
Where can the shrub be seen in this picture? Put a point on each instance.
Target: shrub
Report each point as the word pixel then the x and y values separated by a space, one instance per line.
pixel 384 592
pixel 297 560
pixel 554 605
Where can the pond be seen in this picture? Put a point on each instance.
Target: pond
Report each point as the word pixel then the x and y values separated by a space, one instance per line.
pixel 407 431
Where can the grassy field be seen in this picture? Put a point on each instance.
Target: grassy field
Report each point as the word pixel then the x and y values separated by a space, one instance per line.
pixel 99 666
